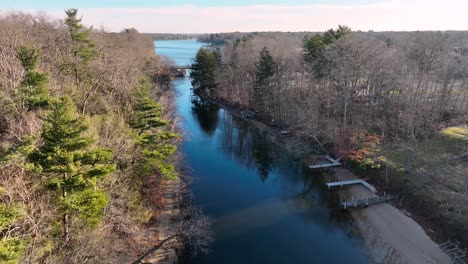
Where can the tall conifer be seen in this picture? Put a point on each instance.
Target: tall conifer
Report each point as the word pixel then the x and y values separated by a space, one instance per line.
pixel 33 93
pixel 83 50
pixel 152 138
pixel 69 165
pixel 204 70
pixel 264 70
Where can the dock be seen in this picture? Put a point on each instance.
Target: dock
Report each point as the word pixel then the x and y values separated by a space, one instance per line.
pixel 350 182
pixel 454 251
pixel 248 114
pixel 331 163
pixel 195 99
pixel 365 202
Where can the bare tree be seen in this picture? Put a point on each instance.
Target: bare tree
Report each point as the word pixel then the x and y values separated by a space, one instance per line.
pixel 193 229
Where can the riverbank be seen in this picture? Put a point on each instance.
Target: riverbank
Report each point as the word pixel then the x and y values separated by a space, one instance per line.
pixel 391 236
pixel 170 209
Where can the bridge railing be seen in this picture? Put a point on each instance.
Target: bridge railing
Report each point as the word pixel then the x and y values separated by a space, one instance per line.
pixel 182 67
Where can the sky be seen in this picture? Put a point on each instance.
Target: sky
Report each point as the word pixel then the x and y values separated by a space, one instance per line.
pixel 208 16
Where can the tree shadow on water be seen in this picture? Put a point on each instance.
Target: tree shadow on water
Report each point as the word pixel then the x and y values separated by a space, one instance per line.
pixel 207 116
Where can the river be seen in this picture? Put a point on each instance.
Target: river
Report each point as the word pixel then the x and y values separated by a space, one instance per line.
pixel 266 207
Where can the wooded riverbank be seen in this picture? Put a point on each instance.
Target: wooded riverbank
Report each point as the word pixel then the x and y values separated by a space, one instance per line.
pixel 391 236
pixel 87 142
pixel 393 104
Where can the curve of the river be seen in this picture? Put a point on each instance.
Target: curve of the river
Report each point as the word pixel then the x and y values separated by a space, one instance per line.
pixel 266 207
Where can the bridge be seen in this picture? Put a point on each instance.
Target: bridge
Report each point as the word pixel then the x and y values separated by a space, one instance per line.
pixel 179 70
pixel 182 67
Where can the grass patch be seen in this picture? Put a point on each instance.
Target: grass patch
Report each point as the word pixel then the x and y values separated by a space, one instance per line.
pixel 428 173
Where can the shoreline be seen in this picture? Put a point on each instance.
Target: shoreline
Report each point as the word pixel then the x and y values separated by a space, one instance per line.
pixel 389 233
pixel 171 207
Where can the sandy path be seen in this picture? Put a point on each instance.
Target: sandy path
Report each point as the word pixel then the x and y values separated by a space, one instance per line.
pixel 392 236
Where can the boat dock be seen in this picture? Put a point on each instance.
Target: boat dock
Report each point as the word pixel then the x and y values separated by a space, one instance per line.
pixel 350 182
pixel 365 202
pixel 331 162
pixel 454 251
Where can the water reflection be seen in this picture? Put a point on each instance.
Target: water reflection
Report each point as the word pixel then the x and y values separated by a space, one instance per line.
pixel 299 188
pixel 207 116
pixel 249 146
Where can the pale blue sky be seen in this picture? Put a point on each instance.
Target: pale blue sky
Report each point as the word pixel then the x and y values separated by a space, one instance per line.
pixel 207 16
pixel 49 4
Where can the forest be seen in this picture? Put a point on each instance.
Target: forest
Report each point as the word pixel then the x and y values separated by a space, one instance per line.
pixel 350 80
pixel 394 104
pixel 88 139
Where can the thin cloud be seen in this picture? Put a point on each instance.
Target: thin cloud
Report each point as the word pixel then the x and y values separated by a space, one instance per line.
pixel 395 15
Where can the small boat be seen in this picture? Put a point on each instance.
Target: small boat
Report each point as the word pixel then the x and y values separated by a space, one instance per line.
pixel 248 114
pixel 284 132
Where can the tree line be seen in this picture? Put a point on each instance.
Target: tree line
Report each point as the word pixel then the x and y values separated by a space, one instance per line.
pixel 334 85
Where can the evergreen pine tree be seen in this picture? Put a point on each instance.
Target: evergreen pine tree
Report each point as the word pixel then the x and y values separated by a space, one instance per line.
pixel 33 93
pixel 83 50
pixel 152 139
pixel 11 250
pixel 218 55
pixel 70 167
pixel 264 70
pixel 147 113
pixel 83 47
pixel 11 247
pixel 314 48
pixel 204 70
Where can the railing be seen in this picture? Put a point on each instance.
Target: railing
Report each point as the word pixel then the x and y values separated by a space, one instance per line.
pixel 183 67
pixel 454 251
pixel 364 202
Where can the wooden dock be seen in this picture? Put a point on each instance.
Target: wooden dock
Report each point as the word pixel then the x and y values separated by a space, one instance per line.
pixel 365 202
pixel 195 99
pixel 350 182
pixel 331 163
pixel 454 251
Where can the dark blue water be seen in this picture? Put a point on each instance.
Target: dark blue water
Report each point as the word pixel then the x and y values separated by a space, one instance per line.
pixel 266 207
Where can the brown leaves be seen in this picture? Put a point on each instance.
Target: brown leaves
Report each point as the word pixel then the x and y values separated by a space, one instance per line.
pixel 360 146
